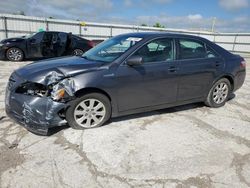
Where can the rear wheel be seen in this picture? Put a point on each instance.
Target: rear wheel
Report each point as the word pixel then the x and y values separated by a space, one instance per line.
pixel 89 111
pixel 219 93
pixel 14 54
pixel 78 52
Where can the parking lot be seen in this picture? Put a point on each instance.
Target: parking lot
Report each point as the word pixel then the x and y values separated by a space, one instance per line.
pixel 186 146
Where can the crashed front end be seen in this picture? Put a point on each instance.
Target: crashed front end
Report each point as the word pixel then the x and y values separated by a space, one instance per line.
pixel 39 106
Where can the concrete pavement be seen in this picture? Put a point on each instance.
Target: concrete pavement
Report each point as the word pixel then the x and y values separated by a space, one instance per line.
pixel 186 146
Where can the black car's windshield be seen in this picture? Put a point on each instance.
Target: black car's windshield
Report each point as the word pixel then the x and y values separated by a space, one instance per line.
pixel 111 49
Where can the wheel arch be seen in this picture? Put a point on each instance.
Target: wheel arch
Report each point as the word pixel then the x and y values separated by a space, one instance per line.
pixel 230 79
pixel 88 90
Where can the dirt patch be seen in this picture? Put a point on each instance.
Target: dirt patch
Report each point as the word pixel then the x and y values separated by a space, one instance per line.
pixel 10 157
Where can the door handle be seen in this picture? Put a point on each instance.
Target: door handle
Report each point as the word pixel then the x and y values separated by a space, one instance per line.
pixel 172 69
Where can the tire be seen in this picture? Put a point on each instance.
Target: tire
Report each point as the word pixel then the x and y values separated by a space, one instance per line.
pixel 89 111
pixel 14 54
pixel 77 52
pixel 219 93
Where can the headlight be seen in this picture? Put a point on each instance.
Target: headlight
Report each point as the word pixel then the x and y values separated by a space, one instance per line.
pixel 1 44
pixel 58 94
pixel 64 89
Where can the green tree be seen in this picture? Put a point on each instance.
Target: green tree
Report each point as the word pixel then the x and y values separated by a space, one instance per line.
pixel 158 25
pixel 144 25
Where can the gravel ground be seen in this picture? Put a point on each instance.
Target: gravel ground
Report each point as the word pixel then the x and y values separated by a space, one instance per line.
pixel 186 146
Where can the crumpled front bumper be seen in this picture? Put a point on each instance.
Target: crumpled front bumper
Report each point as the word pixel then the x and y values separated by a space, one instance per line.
pixel 37 114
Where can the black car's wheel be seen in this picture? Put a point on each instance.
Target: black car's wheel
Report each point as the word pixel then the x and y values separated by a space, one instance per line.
pixel 219 93
pixel 14 54
pixel 89 111
pixel 77 52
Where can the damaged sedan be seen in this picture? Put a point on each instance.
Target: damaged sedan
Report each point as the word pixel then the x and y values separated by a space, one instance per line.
pixel 129 73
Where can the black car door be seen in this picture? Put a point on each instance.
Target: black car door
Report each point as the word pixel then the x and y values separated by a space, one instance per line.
pixel 34 45
pixel 199 66
pixel 154 82
pixel 60 44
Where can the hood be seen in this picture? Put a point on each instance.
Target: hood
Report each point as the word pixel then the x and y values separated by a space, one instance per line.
pixel 16 39
pixel 56 69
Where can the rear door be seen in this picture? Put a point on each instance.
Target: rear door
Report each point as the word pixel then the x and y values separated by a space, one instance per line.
pixel 199 65
pixel 155 82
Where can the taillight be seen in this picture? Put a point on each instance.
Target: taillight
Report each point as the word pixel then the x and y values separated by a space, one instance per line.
pixel 243 64
pixel 91 43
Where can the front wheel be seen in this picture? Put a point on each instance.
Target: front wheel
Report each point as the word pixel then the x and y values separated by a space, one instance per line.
pixel 219 93
pixel 89 111
pixel 14 54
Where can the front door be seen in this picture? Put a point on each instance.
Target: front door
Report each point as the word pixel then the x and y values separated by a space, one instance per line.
pixel 155 82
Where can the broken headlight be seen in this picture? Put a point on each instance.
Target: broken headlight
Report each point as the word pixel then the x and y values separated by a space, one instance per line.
pixel 30 88
pixel 63 90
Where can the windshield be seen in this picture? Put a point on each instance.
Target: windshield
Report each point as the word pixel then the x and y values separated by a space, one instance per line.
pixel 111 49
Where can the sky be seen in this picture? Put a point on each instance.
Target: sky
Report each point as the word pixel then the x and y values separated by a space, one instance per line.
pixel 228 15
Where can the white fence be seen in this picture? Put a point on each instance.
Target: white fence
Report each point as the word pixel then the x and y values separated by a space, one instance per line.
pixel 17 25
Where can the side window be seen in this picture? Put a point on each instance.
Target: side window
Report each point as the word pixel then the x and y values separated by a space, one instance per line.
pixel 211 53
pixel 157 50
pixel 190 49
pixel 38 36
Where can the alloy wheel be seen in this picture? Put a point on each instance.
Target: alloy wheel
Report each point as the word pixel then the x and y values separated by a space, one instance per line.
pixel 15 54
pixel 89 113
pixel 220 93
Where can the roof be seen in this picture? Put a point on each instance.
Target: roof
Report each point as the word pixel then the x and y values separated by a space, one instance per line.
pixel 159 34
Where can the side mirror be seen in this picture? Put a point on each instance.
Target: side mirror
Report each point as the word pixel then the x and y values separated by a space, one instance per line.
pixel 134 60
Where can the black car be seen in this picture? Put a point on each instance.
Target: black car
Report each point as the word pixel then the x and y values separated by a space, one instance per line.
pixel 43 45
pixel 127 74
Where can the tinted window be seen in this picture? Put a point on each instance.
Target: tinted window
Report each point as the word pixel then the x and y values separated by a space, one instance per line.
pixel 157 50
pixel 38 36
pixel 190 49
